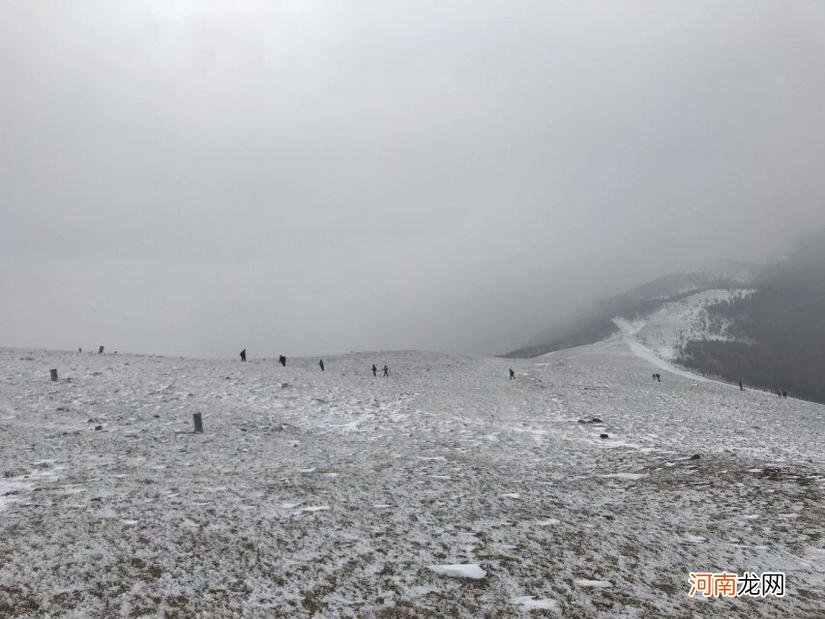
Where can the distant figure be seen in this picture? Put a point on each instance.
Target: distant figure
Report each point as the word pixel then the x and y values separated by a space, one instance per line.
pixel 386 371
pixel 243 356
pixel 79 350
pixel 657 377
pixel 512 374
pixel 282 360
pixel 778 393
pixel 784 394
pixel 741 388
pixel 374 370
pixel 321 364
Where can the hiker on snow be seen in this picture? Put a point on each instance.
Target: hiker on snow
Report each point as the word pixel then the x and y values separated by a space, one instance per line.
pixel 282 360
pixel 243 355
pixel 512 374
pixel 374 370
pixel 321 364
pixel 386 371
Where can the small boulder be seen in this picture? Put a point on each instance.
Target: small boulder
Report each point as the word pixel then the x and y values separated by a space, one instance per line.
pixel 694 457
pixel 98 427
pixel 604 435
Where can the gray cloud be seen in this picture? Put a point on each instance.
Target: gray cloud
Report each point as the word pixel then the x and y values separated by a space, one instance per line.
pixel 318 177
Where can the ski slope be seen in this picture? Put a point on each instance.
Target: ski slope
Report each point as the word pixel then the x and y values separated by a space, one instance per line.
pixel 444 490
pixel 667 329
pixel 629 333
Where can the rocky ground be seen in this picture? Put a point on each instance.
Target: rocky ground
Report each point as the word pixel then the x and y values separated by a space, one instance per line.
pixel 445 489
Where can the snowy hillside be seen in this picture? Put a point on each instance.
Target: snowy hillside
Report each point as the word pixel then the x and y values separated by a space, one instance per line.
pixel 445 489
pixel 595 324
pixel 668 328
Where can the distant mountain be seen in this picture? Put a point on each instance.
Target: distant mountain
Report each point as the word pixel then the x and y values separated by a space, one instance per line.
pixel 775 337
pixel 597 323
pixel 762 325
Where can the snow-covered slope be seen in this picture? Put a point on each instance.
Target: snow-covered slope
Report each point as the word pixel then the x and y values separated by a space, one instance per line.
pixel 595 323
pixel 668 328
pixel 445 489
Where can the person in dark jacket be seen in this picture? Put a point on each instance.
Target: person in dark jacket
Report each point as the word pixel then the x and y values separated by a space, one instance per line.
pixel 321 364
pixel 512 374
pixel 386 371
pixel 243 355
pixel 282 360
pixel 741 388
pixel 374 370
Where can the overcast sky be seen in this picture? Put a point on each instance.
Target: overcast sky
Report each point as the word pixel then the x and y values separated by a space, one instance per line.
pixel 317 177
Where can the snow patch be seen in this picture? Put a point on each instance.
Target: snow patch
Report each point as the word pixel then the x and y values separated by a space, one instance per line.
pixel 459 570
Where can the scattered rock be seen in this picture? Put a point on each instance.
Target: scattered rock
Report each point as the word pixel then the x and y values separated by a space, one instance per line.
pixel 694 457
pixel 604 435
pixel 98 427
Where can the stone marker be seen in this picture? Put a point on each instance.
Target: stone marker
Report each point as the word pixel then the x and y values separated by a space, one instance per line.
pixel 53 373
pixel 196 417
pixel 100 350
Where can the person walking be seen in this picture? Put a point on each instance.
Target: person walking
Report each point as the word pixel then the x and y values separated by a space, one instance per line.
pixel 243 355
pixel 321 364
pixel 282 360
pixel 512 374
pixel 386 371
pixel 741 388
pixel 374 370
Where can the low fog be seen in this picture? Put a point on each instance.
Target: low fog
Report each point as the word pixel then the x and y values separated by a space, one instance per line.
pixel 318 177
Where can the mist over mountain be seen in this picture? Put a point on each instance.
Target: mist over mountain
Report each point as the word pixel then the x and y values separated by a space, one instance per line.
pixel 597 322
pixel 775 337
pixel 761 324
